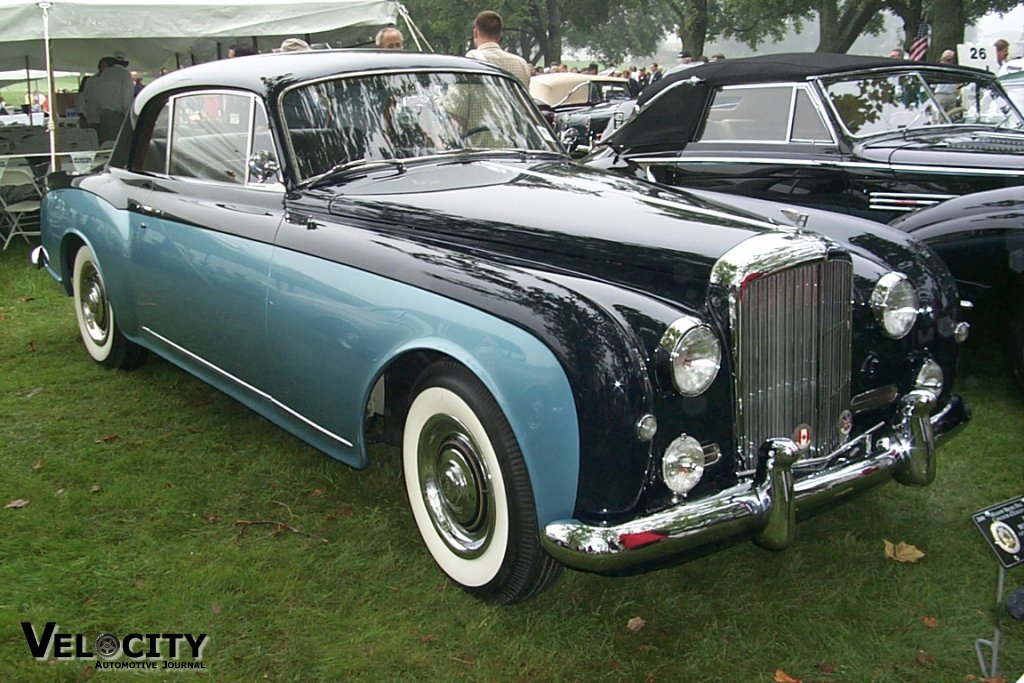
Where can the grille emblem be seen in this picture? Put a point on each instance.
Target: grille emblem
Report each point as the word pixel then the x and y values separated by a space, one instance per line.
pixel 802 437
pixel 845 423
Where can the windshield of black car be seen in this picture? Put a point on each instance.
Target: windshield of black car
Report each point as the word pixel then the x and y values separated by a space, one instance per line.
pixel 382 117
pixel 873 104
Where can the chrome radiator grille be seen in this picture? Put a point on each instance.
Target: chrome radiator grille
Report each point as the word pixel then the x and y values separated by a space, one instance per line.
pixel 793 338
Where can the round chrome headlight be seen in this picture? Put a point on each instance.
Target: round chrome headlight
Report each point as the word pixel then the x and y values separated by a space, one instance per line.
pixel 695 355
pixel 683 464
pixel 894 303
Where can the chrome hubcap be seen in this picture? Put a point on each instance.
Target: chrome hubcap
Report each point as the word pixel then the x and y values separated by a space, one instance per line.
pixel 94 305
pixel 455 486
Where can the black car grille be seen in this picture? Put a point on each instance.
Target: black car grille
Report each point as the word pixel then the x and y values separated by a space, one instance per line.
pixel 793 346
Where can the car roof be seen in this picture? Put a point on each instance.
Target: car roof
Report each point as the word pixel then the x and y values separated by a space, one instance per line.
pixel 795 66
pixel 686 91
pixel 552 88
pixel 267 74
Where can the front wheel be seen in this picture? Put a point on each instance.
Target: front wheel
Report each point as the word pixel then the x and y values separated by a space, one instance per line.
pixel 469 489
pixel 96 325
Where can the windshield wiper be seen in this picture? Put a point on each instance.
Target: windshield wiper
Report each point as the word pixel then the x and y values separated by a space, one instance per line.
pixel 470 153
pixel 352 169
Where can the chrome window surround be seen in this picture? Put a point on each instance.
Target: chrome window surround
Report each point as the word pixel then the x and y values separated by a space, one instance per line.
pixel 790 306
pixel 253 104
pixel 796 88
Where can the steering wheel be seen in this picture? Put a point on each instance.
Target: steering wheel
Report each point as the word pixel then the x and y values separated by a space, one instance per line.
pixel 476 130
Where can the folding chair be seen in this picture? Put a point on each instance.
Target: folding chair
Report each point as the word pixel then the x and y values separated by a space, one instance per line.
pixel 19 201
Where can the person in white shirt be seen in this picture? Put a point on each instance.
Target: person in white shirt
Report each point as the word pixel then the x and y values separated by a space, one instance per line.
pixel 107 97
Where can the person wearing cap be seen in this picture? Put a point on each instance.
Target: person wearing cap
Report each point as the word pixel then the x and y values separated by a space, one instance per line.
pixel 107 97
pixel 294 45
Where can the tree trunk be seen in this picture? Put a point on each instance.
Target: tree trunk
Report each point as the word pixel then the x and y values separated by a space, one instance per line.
pixel 840 28
pixel 948 21
pixel 692 24
pixel 554 51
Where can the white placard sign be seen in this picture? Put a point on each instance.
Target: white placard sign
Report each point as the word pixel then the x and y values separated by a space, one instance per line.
pixel 978 56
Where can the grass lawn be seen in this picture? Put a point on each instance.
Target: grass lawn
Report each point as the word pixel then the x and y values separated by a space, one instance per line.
pixel 136 483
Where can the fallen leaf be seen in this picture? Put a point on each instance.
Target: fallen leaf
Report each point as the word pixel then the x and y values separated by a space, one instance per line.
pixel 37 465
pixel 210 519
pixel 216 609
pixel 930 622
pixel 902 552
pixel 31 346
pixel 15 504
pixel 825 667
pixel 59 492
pixel 26 299
pixel 109 438
pixel 924 659
pixel 95 488
pixel 316 493
pixel 35 392
pixel 783 677
pixel 994 679
pixel 427 638
pixel 635 624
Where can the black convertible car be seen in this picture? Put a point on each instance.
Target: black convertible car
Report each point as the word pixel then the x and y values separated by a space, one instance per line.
pixel 874 137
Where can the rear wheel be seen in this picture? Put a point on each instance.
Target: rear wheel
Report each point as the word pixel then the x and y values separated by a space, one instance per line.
pixel 469 489
pixel 96 325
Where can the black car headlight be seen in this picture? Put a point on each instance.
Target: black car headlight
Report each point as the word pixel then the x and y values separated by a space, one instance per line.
pixel 894 303
pixel 694 354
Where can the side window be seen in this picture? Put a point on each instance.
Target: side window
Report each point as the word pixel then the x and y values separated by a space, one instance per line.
pixel 263 160
pixel 807 123
pixel 152 157
pixel 749 114
pixel 210 136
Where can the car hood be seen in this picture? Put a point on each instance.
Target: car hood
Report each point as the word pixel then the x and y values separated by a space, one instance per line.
pixel 977 211
pixel 945 147
pixel 559 214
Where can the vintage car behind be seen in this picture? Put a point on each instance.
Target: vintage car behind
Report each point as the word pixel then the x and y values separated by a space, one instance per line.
pixel 580 369
pixel 583 104
pixel 981 239
pixel 870 136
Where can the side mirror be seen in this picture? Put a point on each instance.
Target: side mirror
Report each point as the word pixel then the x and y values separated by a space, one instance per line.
pixel 263 167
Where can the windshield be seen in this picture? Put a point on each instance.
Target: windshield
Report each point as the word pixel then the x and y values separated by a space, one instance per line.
pixel 869 105
pixel 408 115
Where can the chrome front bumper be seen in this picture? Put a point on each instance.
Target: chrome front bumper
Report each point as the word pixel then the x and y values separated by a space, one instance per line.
pixel 765 508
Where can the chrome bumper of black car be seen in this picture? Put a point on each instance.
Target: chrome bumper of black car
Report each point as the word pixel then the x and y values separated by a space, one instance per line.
pixel 765 509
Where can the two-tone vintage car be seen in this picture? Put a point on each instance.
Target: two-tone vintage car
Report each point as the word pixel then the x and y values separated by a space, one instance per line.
pixel 579 369
pixel 870 136
pixel 582 105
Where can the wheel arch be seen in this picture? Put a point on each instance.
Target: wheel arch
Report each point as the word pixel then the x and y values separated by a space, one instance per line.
pixel 535 397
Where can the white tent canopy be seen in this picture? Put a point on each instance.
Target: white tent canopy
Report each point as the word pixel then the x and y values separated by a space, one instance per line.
pixel 21 76
pixel 154 33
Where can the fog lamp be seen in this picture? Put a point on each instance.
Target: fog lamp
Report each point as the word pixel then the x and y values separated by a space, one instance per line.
pixel 929 377
pixel 682 466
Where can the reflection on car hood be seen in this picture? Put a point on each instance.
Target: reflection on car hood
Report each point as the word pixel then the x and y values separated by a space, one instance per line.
pixel 980 147
pixel 579 219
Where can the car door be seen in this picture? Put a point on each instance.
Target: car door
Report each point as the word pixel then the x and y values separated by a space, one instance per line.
pixel 202 247
pixel 762 140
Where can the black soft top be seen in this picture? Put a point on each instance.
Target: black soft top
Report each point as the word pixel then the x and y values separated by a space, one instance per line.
pixel 671 121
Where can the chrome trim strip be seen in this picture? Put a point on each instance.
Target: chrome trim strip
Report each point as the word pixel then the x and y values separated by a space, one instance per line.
pixel 248 387
pixel 761 508
pixel 866 165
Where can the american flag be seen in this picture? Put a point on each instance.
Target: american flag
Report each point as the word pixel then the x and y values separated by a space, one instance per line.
pixel 919 48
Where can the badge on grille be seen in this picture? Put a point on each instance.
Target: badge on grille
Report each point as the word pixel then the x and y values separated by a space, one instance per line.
pixel 845 423
pixel 802 437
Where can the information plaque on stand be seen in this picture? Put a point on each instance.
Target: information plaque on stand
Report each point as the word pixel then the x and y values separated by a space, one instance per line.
pixel 1002 525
